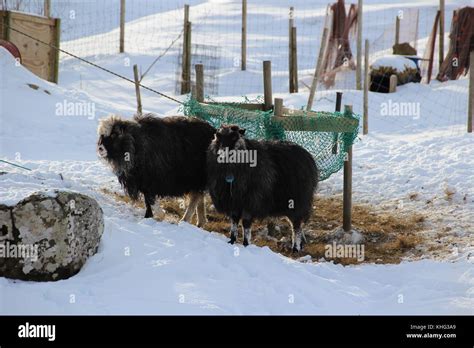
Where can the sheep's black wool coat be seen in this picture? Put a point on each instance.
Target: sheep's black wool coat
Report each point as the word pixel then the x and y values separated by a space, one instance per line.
pixel 158 156
pixel 281 184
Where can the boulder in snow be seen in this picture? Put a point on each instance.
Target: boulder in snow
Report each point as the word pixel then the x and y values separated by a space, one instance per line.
pixel 49 237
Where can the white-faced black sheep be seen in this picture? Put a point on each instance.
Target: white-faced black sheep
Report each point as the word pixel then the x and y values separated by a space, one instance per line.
pixel 250 179
pixel 158 157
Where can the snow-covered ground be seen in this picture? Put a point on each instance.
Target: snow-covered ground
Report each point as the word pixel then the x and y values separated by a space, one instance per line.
pixel 145 266
pixel 149 267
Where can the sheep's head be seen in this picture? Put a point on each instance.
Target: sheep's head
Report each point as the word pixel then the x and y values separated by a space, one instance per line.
pixel 116 144
pixel 230 136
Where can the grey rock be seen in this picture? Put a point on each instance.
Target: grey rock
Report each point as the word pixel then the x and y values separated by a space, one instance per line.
pixel 49 237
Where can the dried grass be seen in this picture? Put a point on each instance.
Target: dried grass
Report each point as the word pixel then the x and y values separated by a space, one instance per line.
pixel 389 236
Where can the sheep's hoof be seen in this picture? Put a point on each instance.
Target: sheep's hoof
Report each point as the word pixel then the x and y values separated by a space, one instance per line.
pixel 302 244
pixel 184 220
pixel 246 242
pixel 232 240
pixel 148 214
pixel 201 223
pixel 296 249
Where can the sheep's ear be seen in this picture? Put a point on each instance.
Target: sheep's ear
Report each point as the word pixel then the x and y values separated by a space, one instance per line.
pixel 242 131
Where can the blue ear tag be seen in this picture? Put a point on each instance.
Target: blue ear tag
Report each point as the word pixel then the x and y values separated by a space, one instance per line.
pixel 229 178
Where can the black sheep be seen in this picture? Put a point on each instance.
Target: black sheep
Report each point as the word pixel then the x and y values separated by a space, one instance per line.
pixel 272 178
pixel 158 157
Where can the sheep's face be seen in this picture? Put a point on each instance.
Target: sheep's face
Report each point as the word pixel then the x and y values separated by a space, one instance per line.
pixel 230 136
pixel 110 146
pixel 115 144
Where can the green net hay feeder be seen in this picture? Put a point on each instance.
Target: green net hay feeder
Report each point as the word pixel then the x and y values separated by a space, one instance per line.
pixel 326 135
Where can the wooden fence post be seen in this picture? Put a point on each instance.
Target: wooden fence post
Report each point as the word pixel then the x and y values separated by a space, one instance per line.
pixel 470 115
pixel 432 48
pixel 267 85
pixel 417 26
pixel 47 8
pixel 57 42
pixel 290 61
pixel 122 26
pixel 188 56
pixel 393 84
pixel 294 62
pixel 291 24
pixel 359 46
pixel 292 52
pixel 317 71
pixel 347 193
pixel 186 14
pixel 278 109
pixel 366 89
pixel 199 82
pixel 243 60
pixel 337 109
pixel 397 30
pixel 5 30
pixel 137 89
pixel 441 31
pixel 186 60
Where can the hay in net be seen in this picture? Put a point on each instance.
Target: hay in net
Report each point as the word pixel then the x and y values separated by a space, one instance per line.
pixel 329 148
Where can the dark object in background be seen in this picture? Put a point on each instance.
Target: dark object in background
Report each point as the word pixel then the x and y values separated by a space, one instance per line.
pixel 404 49
pixel 338 51
pixel 379 83
pixel 460 45
pixel 10 47
pixel 342 25
pixel 380 78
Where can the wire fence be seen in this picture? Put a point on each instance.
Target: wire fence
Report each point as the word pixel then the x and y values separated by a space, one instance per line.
pixel 90 29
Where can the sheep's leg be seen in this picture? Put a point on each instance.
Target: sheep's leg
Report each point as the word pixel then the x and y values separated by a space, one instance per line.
pixel 234 227
pixel 149 201
pixel 297 238
pixel 247 227
pixel 201 210
pixel 193 201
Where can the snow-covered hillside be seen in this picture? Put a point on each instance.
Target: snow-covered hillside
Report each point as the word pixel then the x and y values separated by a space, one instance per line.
pixel 40 119
pixel 149 267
